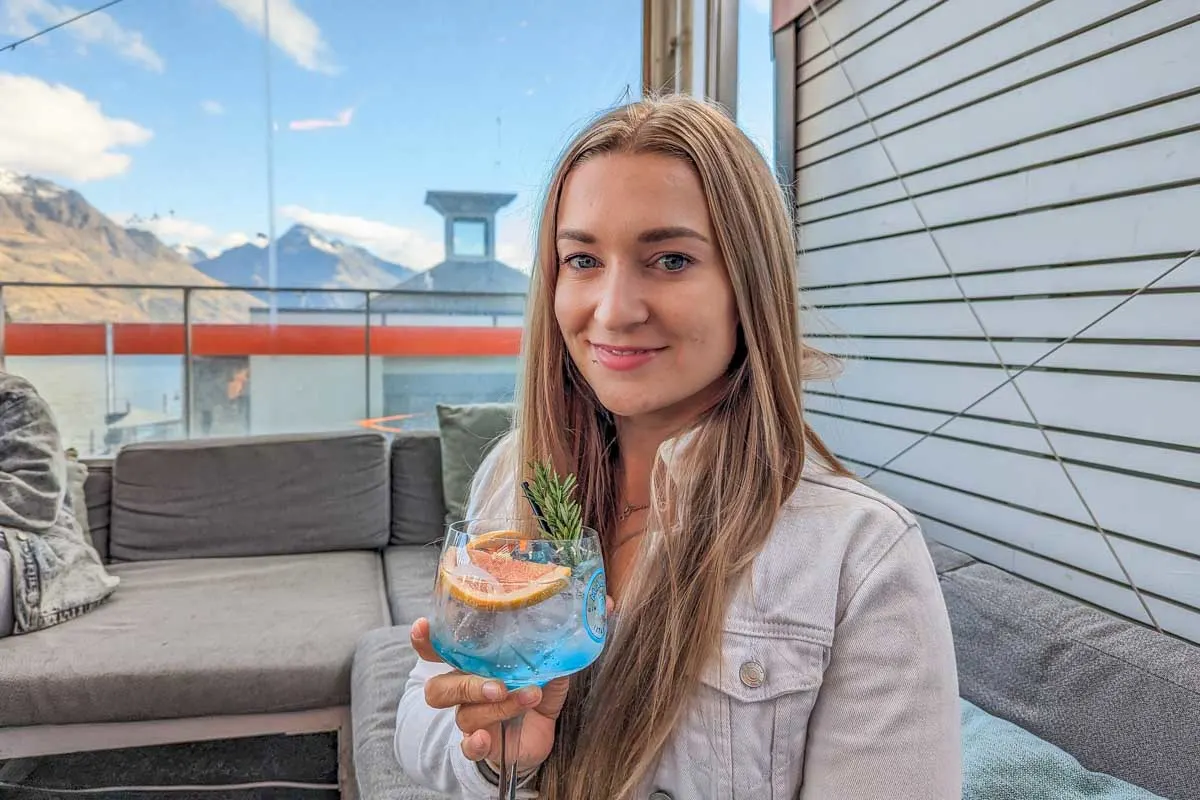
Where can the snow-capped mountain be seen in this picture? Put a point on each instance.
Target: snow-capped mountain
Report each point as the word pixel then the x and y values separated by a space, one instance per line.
pixel 306 258
pixel 192 255
pixel 52 234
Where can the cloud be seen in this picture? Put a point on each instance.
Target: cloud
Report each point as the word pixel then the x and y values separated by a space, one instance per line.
pixel 23 18
pixel 174 230
pixel 212 107
pixel 407 246
pixel 514 242
pixel 340 121
pixel 292 31
pixel 52 129
pixel 761 6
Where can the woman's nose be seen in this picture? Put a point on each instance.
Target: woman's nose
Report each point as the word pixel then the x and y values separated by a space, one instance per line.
pixel 622 302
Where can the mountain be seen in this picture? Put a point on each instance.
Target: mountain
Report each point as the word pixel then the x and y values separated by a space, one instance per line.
pixel 192 255
pixel 54 235
pixel 305 258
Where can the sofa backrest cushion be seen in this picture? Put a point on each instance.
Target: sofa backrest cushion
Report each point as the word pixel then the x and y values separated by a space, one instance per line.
pixel 418 507
pixel 97 494
pixel 257 495
pixel 1119 697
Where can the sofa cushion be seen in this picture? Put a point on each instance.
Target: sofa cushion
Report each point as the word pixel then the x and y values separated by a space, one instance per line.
pixel 468 433
pixel 1002 760
pixel 381 666
pixel 97 493
pixel 418 507
pixel 1121 698
pixel 410 570
pixel 259 495
pixel 199 637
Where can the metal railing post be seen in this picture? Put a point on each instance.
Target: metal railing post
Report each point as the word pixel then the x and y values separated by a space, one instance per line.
pixel 187 362
pixel 367 351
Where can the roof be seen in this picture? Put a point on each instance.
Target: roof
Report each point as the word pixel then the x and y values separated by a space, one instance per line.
pixel 469 276
pixel 481 204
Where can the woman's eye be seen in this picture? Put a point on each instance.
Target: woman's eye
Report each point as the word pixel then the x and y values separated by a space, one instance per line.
pixel 674 262
pixel 581 262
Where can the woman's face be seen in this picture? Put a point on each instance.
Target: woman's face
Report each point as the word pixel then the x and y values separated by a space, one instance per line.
pixel 643 298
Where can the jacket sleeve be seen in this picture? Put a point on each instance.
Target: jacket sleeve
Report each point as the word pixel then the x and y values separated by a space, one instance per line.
pixel 886 720
pixel 428 743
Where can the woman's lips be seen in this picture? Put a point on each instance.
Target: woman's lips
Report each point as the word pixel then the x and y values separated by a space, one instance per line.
pixel 623 359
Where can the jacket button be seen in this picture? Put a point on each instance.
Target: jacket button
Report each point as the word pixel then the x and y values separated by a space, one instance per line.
pixel 752 674
pixel 660 795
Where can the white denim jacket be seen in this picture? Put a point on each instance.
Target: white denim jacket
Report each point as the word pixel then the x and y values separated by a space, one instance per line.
pixel 836 676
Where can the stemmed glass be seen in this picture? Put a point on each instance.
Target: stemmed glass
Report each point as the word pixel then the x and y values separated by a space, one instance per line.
pixel 515 605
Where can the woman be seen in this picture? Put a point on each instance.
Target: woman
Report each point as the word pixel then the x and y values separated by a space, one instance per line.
pixel 780 632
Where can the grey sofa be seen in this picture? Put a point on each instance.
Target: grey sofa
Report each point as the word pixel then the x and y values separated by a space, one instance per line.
pixel 268 584
pixel 250 569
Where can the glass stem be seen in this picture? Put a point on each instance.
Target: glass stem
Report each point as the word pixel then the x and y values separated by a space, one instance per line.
pixel 510 747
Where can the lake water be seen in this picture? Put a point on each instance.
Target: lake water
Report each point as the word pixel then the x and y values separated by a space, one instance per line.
pixel 76 389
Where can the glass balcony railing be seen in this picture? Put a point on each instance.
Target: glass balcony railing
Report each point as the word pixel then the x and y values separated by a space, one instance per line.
pixel 228 360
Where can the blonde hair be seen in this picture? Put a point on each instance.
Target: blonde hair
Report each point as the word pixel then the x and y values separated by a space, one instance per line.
pixel 707 526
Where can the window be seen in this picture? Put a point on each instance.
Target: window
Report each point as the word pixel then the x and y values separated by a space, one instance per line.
pixel 470 238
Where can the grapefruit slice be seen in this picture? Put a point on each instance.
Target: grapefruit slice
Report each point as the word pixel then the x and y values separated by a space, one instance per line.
pixel 497 581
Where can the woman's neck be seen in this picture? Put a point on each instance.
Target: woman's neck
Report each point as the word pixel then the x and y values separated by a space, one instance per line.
pixel 639 440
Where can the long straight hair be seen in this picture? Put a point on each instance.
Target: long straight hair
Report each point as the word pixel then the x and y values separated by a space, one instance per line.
pixel 704 526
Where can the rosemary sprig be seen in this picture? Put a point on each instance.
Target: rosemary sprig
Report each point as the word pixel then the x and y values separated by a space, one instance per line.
pixel 553 501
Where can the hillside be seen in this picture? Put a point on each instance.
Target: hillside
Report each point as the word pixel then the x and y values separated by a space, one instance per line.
pixel 52 234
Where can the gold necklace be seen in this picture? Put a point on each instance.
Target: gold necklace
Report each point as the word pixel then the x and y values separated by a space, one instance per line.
pixel 629 510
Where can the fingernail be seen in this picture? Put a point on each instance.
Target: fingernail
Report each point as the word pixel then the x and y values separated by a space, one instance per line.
pixel 527 696
pixel 493 691
pixel 413 631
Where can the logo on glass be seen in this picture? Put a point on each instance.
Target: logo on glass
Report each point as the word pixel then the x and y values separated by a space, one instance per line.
pixel 595 598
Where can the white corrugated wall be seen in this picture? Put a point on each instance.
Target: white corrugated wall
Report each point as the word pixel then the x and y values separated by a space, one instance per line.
pixel 1046 227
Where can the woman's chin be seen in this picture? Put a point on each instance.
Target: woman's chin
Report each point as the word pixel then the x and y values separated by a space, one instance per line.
pixel 629 404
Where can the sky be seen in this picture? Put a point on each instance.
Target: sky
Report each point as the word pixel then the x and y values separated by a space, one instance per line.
pixel 160 108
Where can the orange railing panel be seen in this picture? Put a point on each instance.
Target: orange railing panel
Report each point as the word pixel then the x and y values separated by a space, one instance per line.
pixel 38 339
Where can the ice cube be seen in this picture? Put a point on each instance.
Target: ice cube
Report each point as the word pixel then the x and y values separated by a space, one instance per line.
pixel 479 579
pixel 540 629
pixel 479 633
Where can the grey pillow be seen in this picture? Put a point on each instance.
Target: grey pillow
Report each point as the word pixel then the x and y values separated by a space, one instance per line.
pixel 468 433
pixel 77 475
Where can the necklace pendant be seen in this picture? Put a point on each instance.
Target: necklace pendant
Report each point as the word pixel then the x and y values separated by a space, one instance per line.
pixel 628 511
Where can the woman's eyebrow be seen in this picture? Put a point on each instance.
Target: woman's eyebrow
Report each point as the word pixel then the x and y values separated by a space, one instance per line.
pixel 576 235
pixel 672 232
pixel 647 237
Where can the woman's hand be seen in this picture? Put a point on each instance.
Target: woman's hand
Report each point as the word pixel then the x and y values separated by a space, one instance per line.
pixel 483 704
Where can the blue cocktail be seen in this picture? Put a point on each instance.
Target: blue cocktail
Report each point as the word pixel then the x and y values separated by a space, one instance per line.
pixel 513 605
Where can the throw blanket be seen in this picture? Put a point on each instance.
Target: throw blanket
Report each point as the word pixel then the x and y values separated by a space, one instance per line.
pixel 56 573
